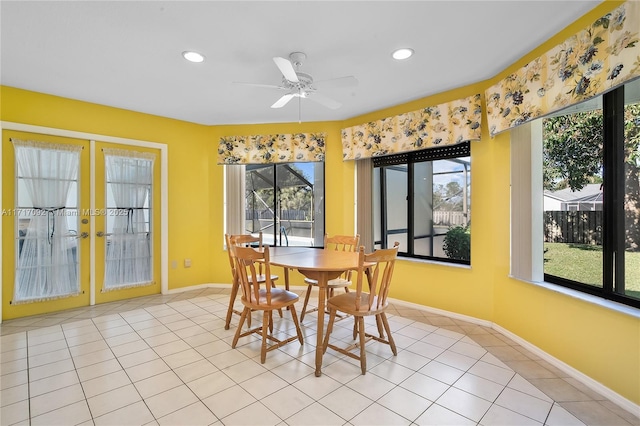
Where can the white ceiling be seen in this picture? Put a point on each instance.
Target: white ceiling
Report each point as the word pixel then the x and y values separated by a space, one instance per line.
pixel 127 54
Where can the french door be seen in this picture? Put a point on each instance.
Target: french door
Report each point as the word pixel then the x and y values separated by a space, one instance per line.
pixel 81 222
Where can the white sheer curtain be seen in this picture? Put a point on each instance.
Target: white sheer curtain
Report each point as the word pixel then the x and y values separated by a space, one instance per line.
pixel 47 260
pixel 129 179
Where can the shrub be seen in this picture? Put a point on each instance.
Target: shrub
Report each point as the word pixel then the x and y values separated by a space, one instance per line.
pixel 457 243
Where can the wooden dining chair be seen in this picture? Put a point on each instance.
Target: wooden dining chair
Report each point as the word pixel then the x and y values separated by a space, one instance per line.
pixel 262 296
pixel 241 240
pixel 339 243
pixel 360 304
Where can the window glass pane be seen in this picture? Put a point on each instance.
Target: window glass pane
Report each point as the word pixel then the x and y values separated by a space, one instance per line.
pixel 451 208
pixel 632 189
pixel 423 210
pixel 396 205
pixel 573 196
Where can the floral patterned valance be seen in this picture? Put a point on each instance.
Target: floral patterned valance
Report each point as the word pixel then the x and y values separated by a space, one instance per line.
pixel 261 149
pixel 597 59
pixel 445 124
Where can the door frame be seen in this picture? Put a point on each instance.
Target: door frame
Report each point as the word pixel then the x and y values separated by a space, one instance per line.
pixel 92 138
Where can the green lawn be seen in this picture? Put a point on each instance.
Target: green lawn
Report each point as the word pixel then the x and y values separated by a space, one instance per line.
pixel 583 263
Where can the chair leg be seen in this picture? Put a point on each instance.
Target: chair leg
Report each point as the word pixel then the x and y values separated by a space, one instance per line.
pixel 363 354
pixel 265 326
pixel 383 316
pixel 245 311
pixel 355 328
pixel 306 301
pixel 332 318
pixel 232 299
pixel 294 317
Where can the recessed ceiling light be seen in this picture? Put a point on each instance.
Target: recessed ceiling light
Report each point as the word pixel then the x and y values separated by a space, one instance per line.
pixel 193 56
pixel 404 53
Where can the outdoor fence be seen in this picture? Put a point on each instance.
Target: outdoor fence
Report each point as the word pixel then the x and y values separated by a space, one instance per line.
pixel 449 218
pixel 578 227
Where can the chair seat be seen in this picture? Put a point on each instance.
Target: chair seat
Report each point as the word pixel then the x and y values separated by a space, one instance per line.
pixel 279 299
pixel 346 303
pixel 336 283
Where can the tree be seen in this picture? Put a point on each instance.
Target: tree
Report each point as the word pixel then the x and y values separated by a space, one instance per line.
pixel 573 153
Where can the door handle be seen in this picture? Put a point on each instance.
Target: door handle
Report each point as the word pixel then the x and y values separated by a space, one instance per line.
pixel 100 234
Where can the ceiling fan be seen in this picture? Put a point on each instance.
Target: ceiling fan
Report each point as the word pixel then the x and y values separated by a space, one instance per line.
pixel 300 85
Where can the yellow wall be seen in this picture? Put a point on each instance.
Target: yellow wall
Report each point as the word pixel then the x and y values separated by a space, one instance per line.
pixel 599 342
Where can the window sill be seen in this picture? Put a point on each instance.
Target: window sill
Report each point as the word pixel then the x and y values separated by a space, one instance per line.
pixel 585 297
pixel 434 262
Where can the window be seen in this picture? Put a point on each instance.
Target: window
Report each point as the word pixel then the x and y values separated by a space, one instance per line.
pixel 588 158
pixel 422 200
pixel 592 156
pixel 283 201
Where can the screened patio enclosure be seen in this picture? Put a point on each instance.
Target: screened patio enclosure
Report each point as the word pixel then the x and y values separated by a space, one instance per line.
pixel 286 202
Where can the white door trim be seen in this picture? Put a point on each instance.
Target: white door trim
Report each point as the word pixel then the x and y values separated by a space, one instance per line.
pixel 92 137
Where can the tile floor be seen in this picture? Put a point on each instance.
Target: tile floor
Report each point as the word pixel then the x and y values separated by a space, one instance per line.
pixel 167 360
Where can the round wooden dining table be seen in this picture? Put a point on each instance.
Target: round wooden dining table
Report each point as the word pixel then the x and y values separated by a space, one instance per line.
pixel 320 265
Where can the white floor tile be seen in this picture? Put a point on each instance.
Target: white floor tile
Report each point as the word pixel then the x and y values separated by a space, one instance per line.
pixel 499 416
pixel 52 383
pixel 315 415
pixel 441 372
pixel 105 383
pixel 287 401
pixel 196 414
pixel 136 413
pixel 157 384
pixel 113 400
pixel 14 394
pixel 376 414
pixel 478 386
pixel 255 414
pixel 71 414
pixel 524 404
pixel 405 403
pixel 561 417
pixel 100 369
pixel 48 402
pixel 437 415
pixel 346 402
pixel 195 370
pixel 229 401
pixel 464 403
pixel 171 400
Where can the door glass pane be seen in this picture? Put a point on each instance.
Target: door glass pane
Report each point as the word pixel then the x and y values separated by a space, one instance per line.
pixel 286 203
pixel 572 203
pixel 632 189
pixel 46 221
pixel 129 260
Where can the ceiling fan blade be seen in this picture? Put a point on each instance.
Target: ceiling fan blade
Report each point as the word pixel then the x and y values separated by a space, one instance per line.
pixel 283 100
pixel 286 68
pixel 323 100
pixel 349 81
pixel 266 86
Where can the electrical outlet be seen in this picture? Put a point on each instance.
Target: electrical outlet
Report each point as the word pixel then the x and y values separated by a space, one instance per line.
pixel 187 263
pixel 174 264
